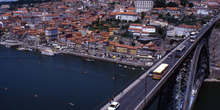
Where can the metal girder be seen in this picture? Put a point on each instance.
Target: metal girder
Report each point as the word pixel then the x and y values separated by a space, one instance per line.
pixel 185 84
pixel 200 61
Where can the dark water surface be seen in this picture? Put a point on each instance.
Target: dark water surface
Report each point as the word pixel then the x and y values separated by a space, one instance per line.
pixel 56 81
pixel 208 97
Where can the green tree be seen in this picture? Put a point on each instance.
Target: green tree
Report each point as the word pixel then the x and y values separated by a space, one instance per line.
pixel 142 15
pixel 172 4
pixel 183 2
pixel 126 34
pixel 160 3
pixel 160 16
pixel 137 21
pixel 121 42
pixel 168 14
pixel 191 5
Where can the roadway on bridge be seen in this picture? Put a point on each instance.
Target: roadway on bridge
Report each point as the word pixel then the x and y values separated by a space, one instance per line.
pixel 135 94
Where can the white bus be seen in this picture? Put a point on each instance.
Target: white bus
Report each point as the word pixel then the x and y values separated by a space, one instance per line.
pixel 160 71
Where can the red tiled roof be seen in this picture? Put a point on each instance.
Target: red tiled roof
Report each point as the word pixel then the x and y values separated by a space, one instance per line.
pixel 131 8
pixel 133 29
pixel 172 8
pixel 6 14
pixel 51 28
pixel 189 26
pixel 148 26
pixel 123 13
pixel 133 24
pixel 158 8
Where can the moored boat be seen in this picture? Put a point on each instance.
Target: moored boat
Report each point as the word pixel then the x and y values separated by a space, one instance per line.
pixel 29 49
pixel 8 46
pixel 21 49
pixel 89 59
pixel 48 52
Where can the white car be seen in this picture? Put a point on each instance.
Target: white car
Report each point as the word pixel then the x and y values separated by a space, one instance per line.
pixel 113 106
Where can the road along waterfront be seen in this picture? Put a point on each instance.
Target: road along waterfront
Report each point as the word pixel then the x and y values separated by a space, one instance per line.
pixel 32 81
pixel 114 57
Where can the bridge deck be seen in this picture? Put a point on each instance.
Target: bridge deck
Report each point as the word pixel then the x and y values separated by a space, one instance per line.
pixel 144 88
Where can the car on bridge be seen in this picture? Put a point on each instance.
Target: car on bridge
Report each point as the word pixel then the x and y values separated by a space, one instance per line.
pixel 114 106
pixel 193 36
pixel 150 73
pixel 179 51
pixel 170 56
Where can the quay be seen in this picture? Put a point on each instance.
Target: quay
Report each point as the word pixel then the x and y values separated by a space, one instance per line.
pixel 12 43
pixel 212 80
pixel 135 64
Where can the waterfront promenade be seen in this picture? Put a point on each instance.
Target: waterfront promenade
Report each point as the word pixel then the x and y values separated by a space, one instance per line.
pixel 114 57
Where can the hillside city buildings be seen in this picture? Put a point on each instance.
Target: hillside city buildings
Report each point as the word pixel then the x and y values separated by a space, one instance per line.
pixel 121 26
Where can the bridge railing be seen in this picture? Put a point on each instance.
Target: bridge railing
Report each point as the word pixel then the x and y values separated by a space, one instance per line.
pixel 117 92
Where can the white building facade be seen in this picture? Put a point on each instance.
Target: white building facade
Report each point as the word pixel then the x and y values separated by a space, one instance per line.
pixel 143 5
pixel 184 29
pixel 128 16
pixel 141 30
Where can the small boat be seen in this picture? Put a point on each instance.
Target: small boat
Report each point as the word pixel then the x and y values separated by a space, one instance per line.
pixel 8 46
pixel 89 59
pixel 71 104
pixel 21 49
pixel 35 95
pixel 48 52
pixel 29 49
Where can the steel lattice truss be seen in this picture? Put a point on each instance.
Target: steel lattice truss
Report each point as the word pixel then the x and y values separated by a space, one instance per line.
pixel 181 84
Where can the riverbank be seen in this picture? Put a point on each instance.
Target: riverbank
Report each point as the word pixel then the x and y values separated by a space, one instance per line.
pixel 129 62
pixel 103 59
pixel 211 80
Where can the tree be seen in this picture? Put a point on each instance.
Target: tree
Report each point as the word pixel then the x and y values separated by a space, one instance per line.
pixel 126 34
pixel 168 14
pixel 160 3
pixel 142 15
pixel 183 2
pixel 172 4
pixel 160 16
pixel 191 5
pixel 121 42
pixel 97 22
pixel 160 30
pixel 203 22
pixel 132 44
pixel 137 21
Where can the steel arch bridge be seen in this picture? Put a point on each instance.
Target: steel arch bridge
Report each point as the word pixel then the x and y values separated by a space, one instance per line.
pixel 180 91
pixel 178 88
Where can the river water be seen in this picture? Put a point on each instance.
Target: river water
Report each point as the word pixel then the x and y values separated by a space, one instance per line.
pixel 208 97
pixel 59 80
pixel 31 81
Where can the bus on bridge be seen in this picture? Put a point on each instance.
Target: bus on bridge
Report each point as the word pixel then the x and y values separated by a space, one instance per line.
pixel 160 71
